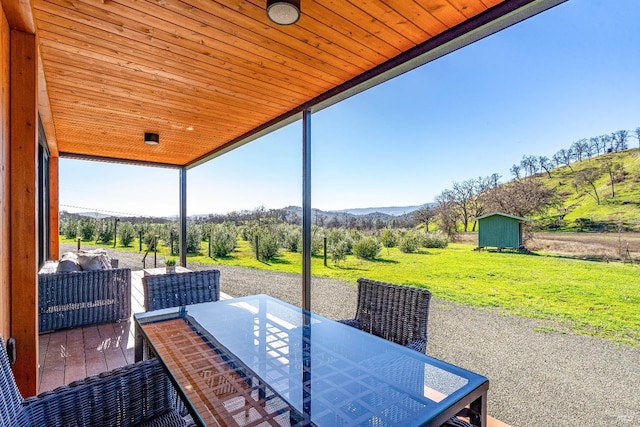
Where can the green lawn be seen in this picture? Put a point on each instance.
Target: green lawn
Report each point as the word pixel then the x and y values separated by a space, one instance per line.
pixel 595 298
pixel 601 299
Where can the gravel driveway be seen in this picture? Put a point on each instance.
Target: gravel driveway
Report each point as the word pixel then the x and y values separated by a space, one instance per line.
pixel 536 378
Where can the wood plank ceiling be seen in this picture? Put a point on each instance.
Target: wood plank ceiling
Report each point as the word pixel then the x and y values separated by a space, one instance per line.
pixel 203 73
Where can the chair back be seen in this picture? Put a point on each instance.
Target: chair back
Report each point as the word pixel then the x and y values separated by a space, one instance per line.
pixel 11 411
pixel 393 312
pixel 178 289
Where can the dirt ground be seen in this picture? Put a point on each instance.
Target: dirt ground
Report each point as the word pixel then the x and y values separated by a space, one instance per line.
pixel 599 246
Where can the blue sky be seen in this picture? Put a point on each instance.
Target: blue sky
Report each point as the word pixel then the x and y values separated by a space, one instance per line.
pixel 566 74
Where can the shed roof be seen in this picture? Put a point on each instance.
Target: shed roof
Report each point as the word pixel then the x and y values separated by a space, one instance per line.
pixel 210 75
pixel 504 215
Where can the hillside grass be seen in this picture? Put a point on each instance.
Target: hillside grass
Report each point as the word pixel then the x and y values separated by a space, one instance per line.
pixel 622 209
pixel 599 299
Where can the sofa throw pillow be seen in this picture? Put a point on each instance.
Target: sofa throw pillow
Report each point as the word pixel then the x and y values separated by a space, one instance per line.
pixel 68 263
pixel 94 259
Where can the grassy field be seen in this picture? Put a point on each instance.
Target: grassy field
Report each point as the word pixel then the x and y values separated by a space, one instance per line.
pixel 600 299
pixel 585 297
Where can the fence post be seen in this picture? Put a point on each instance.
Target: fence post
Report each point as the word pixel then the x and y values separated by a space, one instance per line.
pixel 115 231
pixel 171 242
pixel 257 248
pixel 140 240
pixel 210 238
pixel 78 244
pixel 325 251
pixel 155 251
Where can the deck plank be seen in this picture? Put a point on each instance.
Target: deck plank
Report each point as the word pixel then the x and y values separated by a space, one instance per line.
pixel 42 353
pixel 110 346
pixel 94 356
pixel 54 365
pixel 75 367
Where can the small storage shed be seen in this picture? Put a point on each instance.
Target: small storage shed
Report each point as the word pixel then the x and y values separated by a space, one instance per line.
pixel 500 230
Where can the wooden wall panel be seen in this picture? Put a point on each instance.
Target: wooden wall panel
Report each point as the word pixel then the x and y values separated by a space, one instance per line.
pixel 24 221
pixel 4 180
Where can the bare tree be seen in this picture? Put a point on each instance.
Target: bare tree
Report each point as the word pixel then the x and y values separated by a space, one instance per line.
pixel 515 171
pixel 619 140
pixel 463 194
pixel 579 148
pixel 482 187
pixel 605 141
pixel 529 165
pixel 636 133
pixel 586 179
pixel 522 198
pixel 545 164
pixel 612 168
pixel 446 214
pixel 589 150
pixel 557 159
pixel 594 142
pixel 494 180
pixel 566 156
pixel 425 215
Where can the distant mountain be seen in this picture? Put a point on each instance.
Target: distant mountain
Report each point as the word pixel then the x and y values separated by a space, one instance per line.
pixel 97 215
pixel 317 216
pixel 391 210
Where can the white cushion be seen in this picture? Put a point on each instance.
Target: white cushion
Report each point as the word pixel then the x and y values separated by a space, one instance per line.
pixel 68 263
pixel 94 259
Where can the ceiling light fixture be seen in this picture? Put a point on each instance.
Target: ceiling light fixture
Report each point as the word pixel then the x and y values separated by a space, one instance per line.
pixel 283 12
pixel 151 138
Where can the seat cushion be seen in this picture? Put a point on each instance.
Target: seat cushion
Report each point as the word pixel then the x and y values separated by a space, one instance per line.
pixel 92 260
pixel 68 263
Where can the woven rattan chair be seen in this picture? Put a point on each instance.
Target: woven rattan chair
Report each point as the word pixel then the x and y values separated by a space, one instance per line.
pixel 135 395
pixel 393 312
pixel 399 314
pixel 178 289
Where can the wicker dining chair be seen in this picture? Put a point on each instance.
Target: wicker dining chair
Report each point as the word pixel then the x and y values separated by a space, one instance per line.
pixel 393 312
pixel 135 395
pixel 178 289
pixel 396 313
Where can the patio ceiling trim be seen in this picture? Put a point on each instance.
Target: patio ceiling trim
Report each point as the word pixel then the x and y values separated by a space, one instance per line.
pixel 119 161
pixel 489 22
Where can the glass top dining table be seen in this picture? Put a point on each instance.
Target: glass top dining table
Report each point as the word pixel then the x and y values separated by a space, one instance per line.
pixel 257 360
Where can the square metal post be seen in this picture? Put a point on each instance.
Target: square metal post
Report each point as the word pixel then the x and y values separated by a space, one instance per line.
pixel 306 210
pixel 183 217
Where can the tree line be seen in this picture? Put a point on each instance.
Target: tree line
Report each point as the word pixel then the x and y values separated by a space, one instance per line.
pixel 580 150
pixel 268 236
pixel 458 207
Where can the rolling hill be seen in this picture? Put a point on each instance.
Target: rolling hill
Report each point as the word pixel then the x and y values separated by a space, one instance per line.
pixel 586 199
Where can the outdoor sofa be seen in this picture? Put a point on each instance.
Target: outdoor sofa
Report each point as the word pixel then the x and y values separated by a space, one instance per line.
pixel 68 299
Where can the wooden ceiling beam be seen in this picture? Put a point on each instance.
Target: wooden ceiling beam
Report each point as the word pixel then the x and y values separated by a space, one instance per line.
pixel 44 111
pixel 19 15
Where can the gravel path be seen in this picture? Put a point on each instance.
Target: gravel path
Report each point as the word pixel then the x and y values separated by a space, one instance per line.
pixel 537 378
